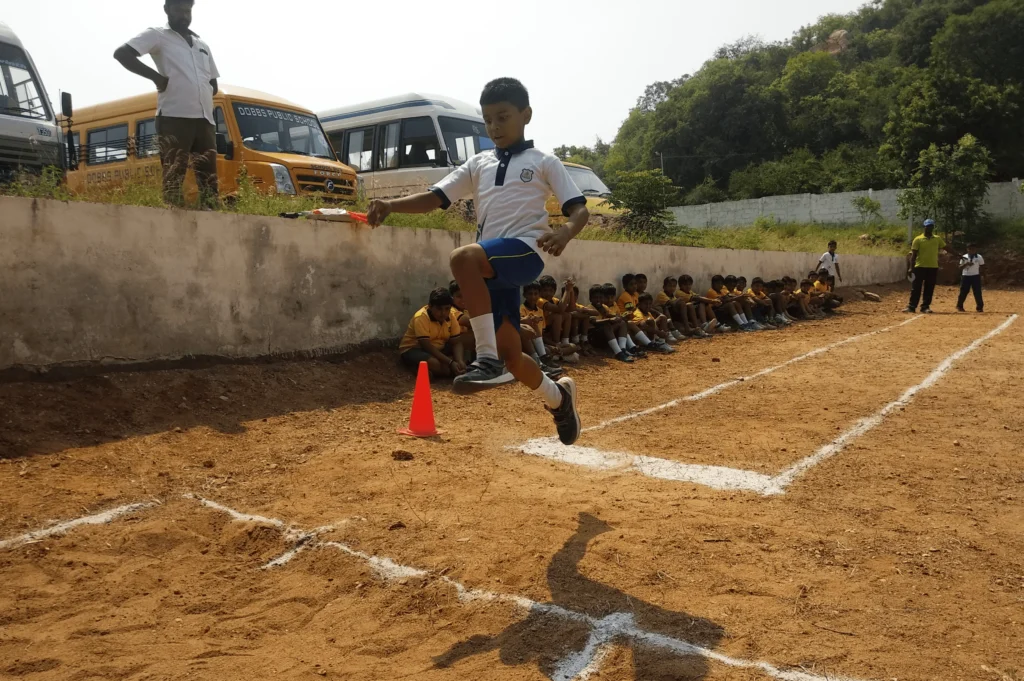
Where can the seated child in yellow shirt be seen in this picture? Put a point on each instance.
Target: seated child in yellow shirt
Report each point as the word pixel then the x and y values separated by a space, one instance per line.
pixel 434 337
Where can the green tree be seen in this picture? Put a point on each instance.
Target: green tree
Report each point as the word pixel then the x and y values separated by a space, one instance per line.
pixel 950 185
pixel 707 191
pixel 643 196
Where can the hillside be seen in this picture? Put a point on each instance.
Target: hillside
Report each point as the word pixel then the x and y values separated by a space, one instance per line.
pixel 847 103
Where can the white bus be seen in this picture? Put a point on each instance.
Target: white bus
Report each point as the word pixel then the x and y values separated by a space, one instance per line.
pixel 402 145
pixel 30 138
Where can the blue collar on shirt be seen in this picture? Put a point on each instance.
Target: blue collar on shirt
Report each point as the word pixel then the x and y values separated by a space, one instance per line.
pixel 517 148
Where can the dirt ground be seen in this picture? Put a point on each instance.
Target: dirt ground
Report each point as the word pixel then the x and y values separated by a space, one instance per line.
pixel 901 558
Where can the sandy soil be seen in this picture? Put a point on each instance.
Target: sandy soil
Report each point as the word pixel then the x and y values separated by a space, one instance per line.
pixel 901 558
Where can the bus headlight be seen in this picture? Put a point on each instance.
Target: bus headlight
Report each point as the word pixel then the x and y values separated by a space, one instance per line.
pixel 283 179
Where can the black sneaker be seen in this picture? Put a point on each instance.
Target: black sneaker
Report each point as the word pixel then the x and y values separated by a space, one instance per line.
pixel 637 352
pixel 960 309
pixel 567 419
pixel 910 310
pixel 552 372
pixel 660 348
pixel 624 357
pixel 482 374
pixel 926 310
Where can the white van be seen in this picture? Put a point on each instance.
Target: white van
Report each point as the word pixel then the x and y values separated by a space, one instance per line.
pixel 30 138
pixel 402 145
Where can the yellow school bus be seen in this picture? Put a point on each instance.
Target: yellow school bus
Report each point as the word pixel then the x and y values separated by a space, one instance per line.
pixel 280 145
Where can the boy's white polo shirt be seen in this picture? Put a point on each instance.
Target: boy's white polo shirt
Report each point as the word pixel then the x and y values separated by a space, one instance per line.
pixel 974 269
pixel 189 70
pixel 828 262
pixel 510 188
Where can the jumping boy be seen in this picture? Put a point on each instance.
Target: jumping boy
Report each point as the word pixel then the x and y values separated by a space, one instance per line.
pixel 510 186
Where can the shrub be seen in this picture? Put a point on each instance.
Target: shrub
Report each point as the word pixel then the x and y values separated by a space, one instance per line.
pixel 643 196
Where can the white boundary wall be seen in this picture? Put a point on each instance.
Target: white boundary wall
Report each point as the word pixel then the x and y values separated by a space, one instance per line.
pixel 104 284
pixel 1004 202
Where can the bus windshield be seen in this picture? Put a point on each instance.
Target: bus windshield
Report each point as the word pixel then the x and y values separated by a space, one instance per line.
pixel 20 94
pixel 265 128
pixel 464 139
pixel 588 182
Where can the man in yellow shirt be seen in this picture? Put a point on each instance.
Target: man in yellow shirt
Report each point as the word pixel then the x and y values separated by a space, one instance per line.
pixel 434 337
pixel 923 263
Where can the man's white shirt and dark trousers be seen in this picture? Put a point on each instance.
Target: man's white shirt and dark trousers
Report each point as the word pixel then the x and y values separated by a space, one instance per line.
pixel 971 280
pixel 828 262
pixel 185 119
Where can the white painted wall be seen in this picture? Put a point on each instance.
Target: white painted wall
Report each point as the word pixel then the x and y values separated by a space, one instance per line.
pixel 90 283
pixel 1004 201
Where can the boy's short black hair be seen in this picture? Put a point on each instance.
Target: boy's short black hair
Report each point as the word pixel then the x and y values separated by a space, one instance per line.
pixel 833 243
pixel 532 286
pixel 806 282
pixel 823 273
pixel 454 288
pixel 628 279
pixel 686 279
pixel 609 290
pixel 440 297
pixel 642 276
pixel 812 273
pixel 717 277
pixel 505 90
pixel 972 245
pixel 645 298
pixel 547 281
pixel 670 280
pixel 757 280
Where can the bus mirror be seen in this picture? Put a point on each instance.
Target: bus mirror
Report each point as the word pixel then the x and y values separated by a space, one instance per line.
pixel 225 147
pixel 65 105
pixel 442 158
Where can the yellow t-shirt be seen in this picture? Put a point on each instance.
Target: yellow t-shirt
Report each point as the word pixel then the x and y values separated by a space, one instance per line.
pixel 821 287
pixel 541 303
pixel 662 299
pixel 928 250
pixel 525 312
pixel 760 296
pixel 628 302
pixel 683 295
pixel 608 312
pixel 713 294
pixel 422 326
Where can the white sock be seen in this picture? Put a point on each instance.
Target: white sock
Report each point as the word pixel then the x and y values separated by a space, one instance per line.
pixel 576 340
pixel 627 343
pixel 539 344
pixel 486 338
pixel 550 392
pixel 738 319
pixel 614 345
pixel 565 341
pixel 644 340
pixel 743 317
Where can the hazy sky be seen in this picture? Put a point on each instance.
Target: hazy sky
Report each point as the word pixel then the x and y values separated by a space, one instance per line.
pixel 585 63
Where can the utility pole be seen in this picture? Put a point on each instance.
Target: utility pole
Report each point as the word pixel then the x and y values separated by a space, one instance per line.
pixel 664 198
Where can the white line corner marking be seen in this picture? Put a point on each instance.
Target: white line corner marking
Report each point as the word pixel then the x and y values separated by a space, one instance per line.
pixel 68 525
pixel 575 666
pixel 723 478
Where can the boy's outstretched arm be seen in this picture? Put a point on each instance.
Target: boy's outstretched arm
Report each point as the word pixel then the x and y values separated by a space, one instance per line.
pixel 555 241
pixel 417 203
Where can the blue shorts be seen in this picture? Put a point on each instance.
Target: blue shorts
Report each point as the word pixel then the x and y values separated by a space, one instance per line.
pixel 515 265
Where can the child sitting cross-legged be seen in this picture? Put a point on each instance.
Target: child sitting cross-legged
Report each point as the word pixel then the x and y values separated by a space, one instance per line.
pixel 815 301
pixel 699 310
pixel 823 286
pixel 674 309
pixel 434 337
pixel 651 326
pixel 764 308
pixel 607 328
pixel 780 300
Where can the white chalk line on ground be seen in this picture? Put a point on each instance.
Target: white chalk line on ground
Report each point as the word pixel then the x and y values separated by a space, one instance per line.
pixel 739 381
pixel 68 525
pixel 575 666
pixel 724 478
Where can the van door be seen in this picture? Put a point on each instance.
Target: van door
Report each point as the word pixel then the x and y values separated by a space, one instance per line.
pixel 408 158
pixel 357 154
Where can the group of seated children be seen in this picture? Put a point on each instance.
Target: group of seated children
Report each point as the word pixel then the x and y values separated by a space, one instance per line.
pixel 557 328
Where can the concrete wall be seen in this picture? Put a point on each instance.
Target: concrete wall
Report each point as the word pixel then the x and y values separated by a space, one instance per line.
pixel 1004 201
pixel 93 284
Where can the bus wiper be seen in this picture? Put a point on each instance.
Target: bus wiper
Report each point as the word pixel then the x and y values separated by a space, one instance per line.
pixel 295 151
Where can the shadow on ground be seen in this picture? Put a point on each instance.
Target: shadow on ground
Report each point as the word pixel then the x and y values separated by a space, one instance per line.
pixel 563 647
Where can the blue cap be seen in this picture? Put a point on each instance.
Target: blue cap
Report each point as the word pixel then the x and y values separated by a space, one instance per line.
pixel 929 223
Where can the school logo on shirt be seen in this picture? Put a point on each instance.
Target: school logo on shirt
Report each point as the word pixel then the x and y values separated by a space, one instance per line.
pixel 526 176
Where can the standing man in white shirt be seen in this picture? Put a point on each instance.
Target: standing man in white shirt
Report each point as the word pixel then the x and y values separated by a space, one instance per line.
pixel 186 78
pixel 970 270
pixel 830 261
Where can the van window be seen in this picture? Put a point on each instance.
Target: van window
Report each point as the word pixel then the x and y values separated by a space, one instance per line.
pixel 19 94
pixel 266 128
pixel 146 143
pixel 108 145
pixel 387 146
pixel 464 139
pixel 359 149
pixel 419 142
pixel 222 125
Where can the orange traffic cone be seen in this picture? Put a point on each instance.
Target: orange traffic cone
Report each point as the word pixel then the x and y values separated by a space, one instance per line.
pixel 421 421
